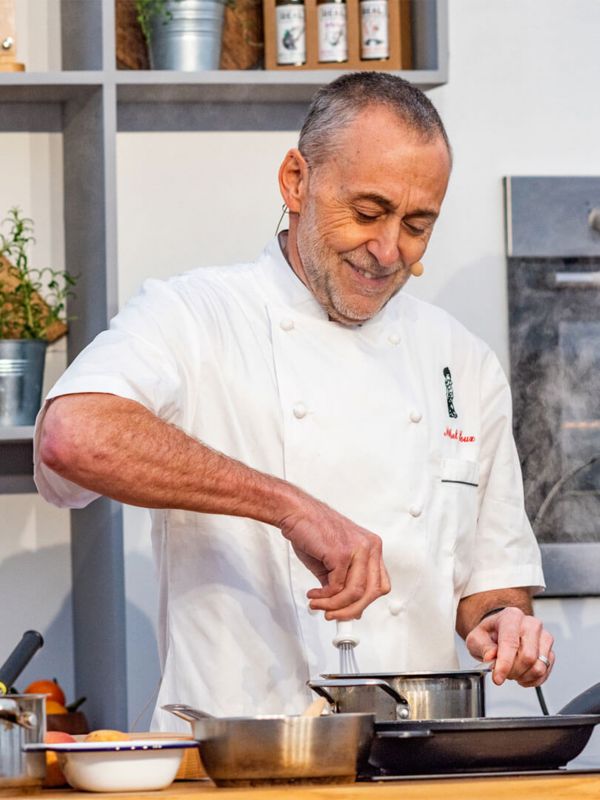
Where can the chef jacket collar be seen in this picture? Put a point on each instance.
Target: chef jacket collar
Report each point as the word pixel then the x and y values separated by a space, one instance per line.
pixel 282 285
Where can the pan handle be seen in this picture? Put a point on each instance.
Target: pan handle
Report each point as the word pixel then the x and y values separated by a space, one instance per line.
pixel 10 712
pixel 410 734
pixel 321 686
pixel 14 665
pixel 187 713
pixel 588 702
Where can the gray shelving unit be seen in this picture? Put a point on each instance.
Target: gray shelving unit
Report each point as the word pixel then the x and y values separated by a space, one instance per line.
pixel 89 102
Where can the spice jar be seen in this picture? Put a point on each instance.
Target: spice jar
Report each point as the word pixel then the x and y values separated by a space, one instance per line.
pixel 374 38
pixel 332 30
pixel 290 29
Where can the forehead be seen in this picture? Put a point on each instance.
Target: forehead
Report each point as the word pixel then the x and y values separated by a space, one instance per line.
pixel 380 152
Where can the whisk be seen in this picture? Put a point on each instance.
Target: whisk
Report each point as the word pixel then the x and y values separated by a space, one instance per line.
pixel 345 641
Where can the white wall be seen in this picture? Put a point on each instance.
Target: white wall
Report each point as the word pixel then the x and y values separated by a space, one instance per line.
pixel 521 99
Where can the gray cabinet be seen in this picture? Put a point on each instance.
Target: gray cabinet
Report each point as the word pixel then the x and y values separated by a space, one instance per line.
pixel 89 102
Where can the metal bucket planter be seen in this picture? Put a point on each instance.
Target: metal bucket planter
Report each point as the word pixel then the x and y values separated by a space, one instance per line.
pixel 189 38
pixel 21 377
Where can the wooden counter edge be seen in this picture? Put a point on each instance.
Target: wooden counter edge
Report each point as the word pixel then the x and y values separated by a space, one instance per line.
pixel 578 786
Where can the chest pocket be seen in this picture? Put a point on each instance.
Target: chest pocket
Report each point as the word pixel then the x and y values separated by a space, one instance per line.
pixel 459 481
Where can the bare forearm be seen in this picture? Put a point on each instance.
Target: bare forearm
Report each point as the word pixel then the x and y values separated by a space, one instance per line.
pixel 472 608
pixel 118 448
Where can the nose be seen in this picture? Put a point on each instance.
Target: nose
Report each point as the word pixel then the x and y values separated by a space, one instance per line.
pixel 385 245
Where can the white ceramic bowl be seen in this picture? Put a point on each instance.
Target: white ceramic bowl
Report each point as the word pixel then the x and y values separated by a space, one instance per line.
pixel 131 766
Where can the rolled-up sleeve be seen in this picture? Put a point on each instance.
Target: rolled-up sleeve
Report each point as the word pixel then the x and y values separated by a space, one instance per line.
pixel 138 358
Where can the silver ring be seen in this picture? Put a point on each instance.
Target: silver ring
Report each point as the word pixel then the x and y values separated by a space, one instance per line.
pixel 544 660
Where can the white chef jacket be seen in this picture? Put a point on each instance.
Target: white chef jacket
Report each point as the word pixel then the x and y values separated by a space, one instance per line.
pixel 403 424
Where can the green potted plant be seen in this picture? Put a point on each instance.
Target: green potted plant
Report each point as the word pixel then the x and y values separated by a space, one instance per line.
pixel 32 314
pixel 183 34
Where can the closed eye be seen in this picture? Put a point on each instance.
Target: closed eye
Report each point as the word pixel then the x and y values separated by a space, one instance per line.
pixel 418 229
pixel 366 218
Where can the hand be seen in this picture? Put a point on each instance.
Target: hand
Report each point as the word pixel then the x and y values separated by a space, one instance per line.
pixel 515 640
pixel 346 558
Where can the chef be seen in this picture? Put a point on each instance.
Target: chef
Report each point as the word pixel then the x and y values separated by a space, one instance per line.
pixel 315 444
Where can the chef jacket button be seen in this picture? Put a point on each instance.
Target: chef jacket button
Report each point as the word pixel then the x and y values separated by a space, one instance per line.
pixel 415 416
pixel 394 338
pixel 415 511
pixel 299 410
pixel 395 607
pixel 287 324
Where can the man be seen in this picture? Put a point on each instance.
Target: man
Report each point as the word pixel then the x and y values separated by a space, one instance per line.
pixel 304 392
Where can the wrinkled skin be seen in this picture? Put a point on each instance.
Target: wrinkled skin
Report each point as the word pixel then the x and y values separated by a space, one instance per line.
pixel 361 219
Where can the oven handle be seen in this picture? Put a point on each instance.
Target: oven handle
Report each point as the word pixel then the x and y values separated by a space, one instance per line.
pixel 576 280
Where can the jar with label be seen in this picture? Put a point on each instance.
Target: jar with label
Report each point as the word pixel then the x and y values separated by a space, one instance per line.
pixel 374 38
pixel 333 36
pixel 291 32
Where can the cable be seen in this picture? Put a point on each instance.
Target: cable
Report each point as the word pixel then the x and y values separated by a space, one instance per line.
pixel 542 701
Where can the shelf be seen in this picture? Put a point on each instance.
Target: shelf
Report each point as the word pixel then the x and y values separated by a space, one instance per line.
pixel 172 101
pixel 16 460
pixel 224 99
pixel 12 435
pixel 234 85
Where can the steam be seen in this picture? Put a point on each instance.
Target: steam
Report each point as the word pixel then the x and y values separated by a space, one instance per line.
pixel 555 377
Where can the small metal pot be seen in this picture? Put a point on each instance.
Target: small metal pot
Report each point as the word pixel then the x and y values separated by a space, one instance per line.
pixel 408 695
pixel 21 377
pixel 22 721
pixel 188 36
pixel 239 751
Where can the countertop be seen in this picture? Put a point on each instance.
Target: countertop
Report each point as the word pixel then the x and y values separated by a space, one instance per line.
pixel 532 787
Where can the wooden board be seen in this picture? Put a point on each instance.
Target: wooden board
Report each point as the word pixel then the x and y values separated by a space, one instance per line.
pixel 399 39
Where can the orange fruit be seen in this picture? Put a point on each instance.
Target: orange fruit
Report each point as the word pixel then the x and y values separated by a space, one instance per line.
pixel 106 736
pixel 50 688
pixel 52 707
pixel 54 775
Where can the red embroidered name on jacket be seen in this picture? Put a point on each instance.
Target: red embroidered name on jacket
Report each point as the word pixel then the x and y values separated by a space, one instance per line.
pixel 456 434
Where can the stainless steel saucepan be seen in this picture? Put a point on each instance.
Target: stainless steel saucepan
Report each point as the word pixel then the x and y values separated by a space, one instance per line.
pixel 238 751
pixel 22 721
pixel 457 694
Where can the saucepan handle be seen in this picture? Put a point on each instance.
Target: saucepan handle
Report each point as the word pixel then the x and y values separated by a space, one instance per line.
pixel 320 686
pixel 185 712
pixel 19 658
pixel 10 712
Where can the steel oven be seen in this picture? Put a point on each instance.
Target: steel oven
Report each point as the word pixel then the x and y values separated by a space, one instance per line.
pixel 553 249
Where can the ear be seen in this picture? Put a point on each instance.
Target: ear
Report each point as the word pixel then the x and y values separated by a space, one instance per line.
pixel 293 179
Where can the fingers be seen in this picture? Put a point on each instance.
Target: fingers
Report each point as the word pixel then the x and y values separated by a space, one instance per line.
pixel 535 670
pixel 509 641
pixel 521 640
pixel 482 643
pixel 346 559
pixel 366 580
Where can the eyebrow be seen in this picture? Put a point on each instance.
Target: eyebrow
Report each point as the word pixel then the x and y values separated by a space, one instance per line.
pixel 387 205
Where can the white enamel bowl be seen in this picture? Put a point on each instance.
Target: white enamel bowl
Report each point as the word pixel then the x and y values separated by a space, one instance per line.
pixel 131 766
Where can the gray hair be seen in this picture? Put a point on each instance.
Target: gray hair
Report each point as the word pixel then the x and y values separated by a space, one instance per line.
pixel 336 105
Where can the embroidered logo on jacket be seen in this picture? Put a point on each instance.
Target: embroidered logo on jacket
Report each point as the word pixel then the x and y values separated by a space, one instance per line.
pixel 449 393
pixel 458 435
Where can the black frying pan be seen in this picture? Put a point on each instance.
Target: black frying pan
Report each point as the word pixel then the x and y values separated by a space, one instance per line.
pixel 486 744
